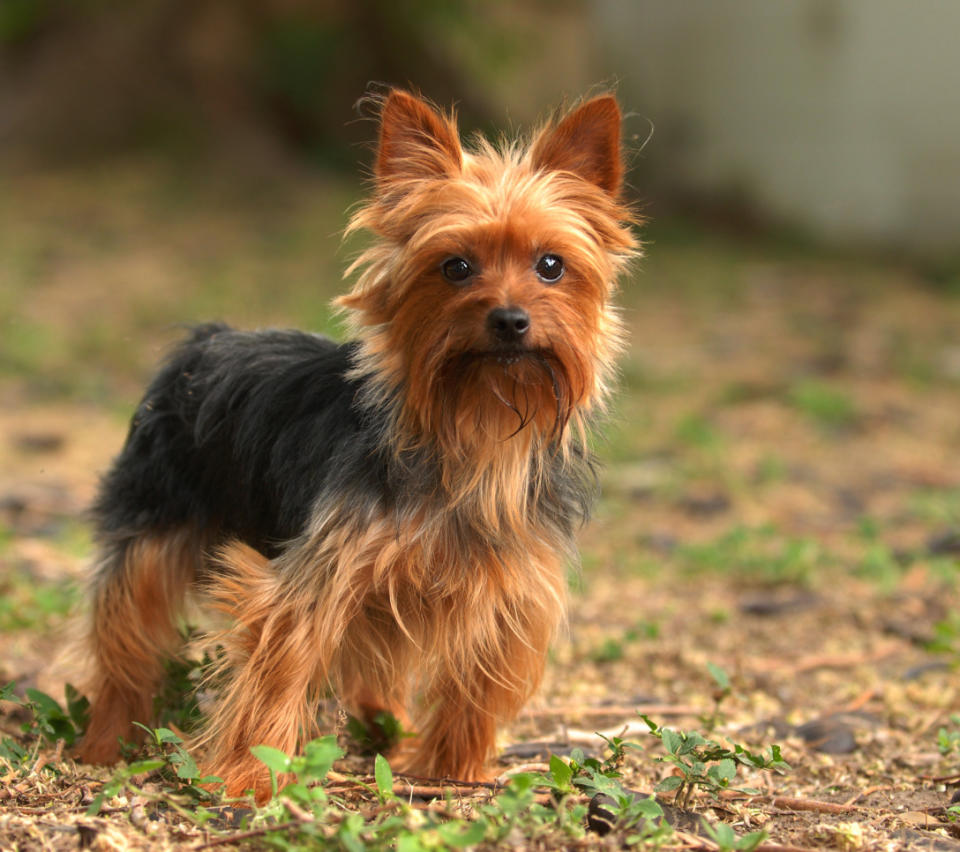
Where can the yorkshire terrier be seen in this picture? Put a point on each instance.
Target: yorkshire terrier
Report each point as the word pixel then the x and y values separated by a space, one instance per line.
pixel 392 517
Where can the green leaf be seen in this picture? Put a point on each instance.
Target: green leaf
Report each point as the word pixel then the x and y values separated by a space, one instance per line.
pixel 672 740
pixel 44 704
pixel 719 675
pixel 78 707
pixel 721 834
pixel 725 770
pixel 384 777
pixel 562 773
pixel 461 834
pixel 671 782
pixel 141 767
pixel 648 808
pixel 751 841
pixel 165 735
pixel 653 726
pixel 272 757
pixel 319 756
pixel 186 765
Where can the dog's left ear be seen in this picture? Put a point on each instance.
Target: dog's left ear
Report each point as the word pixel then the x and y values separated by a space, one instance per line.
pixel 585 142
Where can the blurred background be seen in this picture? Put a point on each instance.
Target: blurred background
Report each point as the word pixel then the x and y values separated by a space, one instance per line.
pixel 168 160
pixel 790 391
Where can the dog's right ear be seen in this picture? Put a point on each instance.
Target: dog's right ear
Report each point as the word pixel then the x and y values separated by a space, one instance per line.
pixel 416 141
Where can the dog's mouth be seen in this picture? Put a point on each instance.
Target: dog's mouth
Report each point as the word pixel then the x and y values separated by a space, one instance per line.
pixel 507 356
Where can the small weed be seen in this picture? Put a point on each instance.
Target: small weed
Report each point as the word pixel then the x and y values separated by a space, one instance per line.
pixel 609 651
pixel 826 406
pixel 706 764
pixel 770 469
pixel 613 648
pixel 697 431
pixel 722 690
pixel 26 603
pixel 940 507
pixel 379 735
pixel 49 723
pixel 946 635
pixel 727 840
pixel 757 553
pixel 49 719
pixel 184 790
pixel 948 741
pixel 176 703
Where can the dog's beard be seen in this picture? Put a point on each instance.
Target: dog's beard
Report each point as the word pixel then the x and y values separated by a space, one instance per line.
pixel 532 385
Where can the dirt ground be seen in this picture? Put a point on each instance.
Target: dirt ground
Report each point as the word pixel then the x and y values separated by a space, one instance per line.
pixel 781 499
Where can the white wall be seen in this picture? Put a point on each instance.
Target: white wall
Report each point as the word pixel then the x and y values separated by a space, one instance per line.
pixel 842 116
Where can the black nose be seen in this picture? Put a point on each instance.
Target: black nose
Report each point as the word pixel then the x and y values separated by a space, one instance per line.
pixel 508 325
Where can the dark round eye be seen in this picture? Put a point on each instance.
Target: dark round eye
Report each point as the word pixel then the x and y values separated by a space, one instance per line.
pixel 549 268
pixel 456 270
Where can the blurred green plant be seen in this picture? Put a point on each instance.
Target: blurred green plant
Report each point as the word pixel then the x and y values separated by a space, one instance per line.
pixel 28 604
pixel 826 405
pixel 948 739
pixel 760 553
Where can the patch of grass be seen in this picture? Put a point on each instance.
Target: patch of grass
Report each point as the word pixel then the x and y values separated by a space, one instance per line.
pixel 939 506
pixel 770 470
pixel 695 430
pixel 761 554
pixel 613 648
pixel 26 604
pixel 946 635
pixel 827 406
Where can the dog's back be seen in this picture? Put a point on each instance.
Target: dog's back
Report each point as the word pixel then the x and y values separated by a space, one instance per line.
pixel 234 438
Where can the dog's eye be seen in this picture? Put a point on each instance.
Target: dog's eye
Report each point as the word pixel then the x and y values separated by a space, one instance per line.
pixel 456 270
pixel 549 268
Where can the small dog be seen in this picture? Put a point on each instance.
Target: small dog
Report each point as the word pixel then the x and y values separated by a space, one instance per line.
pixel 392 516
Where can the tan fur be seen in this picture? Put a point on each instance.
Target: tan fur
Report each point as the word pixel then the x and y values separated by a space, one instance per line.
pixel 392 602
pixel 134 628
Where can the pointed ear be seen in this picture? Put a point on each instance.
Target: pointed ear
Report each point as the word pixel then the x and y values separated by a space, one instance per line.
pixel 415 140
pixel 586 142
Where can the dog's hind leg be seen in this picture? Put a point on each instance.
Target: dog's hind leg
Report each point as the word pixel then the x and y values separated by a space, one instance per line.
pixel 138 595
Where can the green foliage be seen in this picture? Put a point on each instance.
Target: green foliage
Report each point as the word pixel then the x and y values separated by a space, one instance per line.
pixel 176 702
pixel 304 813
pixel 49 723
pixel 379 735
pixel 613 648
pixel 184 790
pixel 825 405
pixel 948 740
pixel 49 720
pixel 727 840
pixel 946 635
pixel 721 692
pixel 706 764
pixel 26 603
pixel 696 431
pixel 758 553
